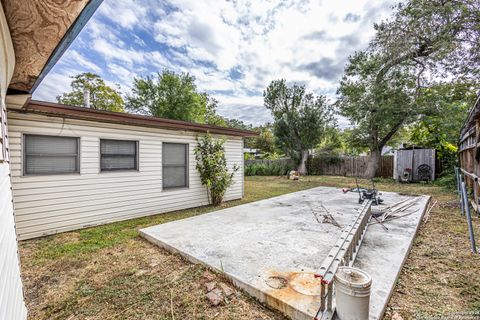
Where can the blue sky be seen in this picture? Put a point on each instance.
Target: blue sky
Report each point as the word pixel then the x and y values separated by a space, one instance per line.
pixel 233 48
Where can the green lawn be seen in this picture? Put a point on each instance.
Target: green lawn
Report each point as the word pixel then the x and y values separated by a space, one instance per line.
pixel 109 272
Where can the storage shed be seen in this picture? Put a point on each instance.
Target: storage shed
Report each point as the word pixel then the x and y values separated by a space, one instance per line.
pixel 76 167
pixel 414 164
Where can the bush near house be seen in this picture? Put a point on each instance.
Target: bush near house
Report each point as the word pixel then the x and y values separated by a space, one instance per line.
pixel 213 169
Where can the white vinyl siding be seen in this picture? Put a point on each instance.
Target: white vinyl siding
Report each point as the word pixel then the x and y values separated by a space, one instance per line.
pixel 49 204
pixel 12 304
pixel 11 295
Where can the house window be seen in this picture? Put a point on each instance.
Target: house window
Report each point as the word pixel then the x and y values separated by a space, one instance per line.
pixel 118 155
pixel 51 155
pixel 175 165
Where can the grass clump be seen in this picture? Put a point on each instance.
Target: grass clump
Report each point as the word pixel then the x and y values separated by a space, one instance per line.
pixel 448 182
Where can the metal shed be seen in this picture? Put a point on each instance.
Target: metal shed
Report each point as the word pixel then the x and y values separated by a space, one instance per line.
pixel 418 162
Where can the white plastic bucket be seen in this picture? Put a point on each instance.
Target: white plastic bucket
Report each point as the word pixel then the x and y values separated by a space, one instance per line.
pixel 352 293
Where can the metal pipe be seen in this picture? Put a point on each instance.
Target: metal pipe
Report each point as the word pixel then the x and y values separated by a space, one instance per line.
pixel 469 218
pixel 459 189
pixel 86 97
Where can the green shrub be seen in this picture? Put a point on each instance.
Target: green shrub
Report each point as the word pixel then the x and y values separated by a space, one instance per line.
pixel 447 181
pixel 268 169
pixel 212 166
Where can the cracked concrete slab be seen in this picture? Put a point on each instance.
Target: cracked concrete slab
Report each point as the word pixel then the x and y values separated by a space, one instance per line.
pixel 272 248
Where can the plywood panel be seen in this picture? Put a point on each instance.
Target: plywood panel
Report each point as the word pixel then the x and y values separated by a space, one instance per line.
pixel 37 27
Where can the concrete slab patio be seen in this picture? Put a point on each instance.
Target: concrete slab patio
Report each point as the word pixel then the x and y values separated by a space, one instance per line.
pixel 272 248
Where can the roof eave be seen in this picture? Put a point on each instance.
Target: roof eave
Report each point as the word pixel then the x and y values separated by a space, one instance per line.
pixel 67 40
pixel 80 113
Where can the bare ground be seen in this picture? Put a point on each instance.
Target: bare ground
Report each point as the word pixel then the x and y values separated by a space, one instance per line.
pixel 109 272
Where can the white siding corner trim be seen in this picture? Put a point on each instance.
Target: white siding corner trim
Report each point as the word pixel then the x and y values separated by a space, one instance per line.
pixel 12 305
pixel 48 204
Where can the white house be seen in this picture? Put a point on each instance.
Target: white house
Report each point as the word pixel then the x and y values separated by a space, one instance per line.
pixel 33 36
pixel 12 305
pixel 75 167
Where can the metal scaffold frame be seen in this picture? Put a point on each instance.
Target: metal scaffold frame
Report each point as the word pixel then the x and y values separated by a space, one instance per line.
pixel 343 253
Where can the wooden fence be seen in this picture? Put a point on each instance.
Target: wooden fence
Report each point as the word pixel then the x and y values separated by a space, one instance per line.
pixel 348 166
pixel 336 166
pixel 283 161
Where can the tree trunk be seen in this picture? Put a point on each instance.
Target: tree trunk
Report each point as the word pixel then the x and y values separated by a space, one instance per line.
pixel 302 167
pixel 373 163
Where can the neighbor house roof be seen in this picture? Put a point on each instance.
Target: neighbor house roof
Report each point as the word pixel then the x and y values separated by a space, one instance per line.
pixel 81 113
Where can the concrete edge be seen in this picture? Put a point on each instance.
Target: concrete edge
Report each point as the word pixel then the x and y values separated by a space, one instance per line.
pixel 270 302
pixel 410 245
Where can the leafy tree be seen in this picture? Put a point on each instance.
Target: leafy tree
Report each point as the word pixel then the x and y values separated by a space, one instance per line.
pixel 440 37
pixel 265 140
pixel 102 97
pixel 440 129
pixel 423 42
pixel 238 124
pixel 350 142
pixel 377 110
pixel 211 115
pixel 168 95
pixel 212 166
pixel 331 142
pixel 300 119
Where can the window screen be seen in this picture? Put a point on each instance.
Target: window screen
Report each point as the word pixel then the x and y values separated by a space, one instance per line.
pixel 118 155
pixel 50 155
pixel 175 165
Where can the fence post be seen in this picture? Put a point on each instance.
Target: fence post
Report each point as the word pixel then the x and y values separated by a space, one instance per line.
pixel 469 218
pixel 458 176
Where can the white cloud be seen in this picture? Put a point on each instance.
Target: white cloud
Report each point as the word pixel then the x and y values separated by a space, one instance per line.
pixel 112 51
pixel 76 58
pixel 123 74
pixel 126 13
pixel 54 84
pixel 306 41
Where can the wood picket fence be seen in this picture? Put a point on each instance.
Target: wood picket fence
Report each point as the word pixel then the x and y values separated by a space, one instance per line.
pixel 348 166
pixel 337 166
